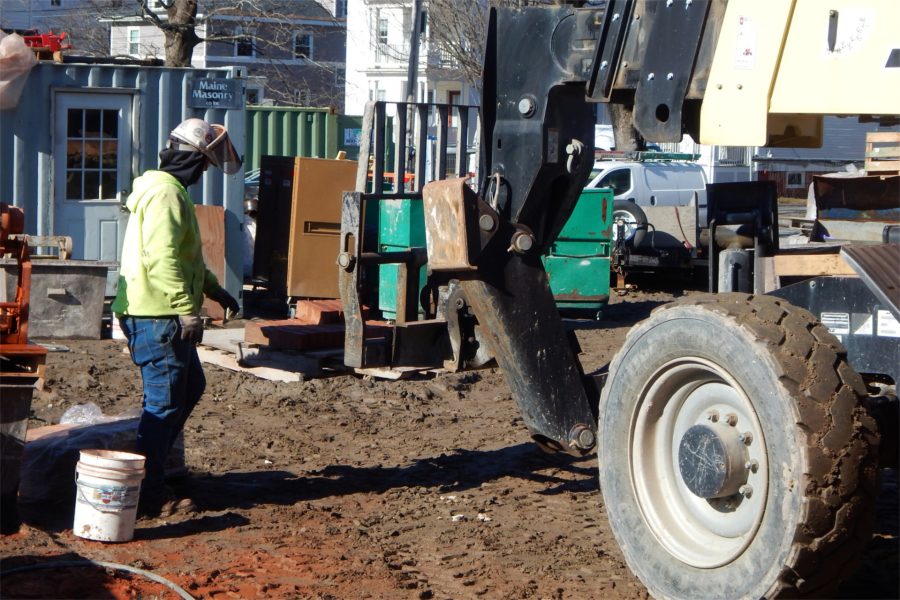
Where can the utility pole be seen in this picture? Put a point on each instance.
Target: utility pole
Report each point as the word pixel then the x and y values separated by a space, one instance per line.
pixel 411 81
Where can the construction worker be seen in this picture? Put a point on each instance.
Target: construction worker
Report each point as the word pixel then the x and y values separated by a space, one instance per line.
pixel 161 286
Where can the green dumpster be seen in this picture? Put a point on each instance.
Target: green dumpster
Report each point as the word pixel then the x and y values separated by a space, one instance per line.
pixel 577 263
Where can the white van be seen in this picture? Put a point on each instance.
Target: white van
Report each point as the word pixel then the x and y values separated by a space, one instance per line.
pixel 651 186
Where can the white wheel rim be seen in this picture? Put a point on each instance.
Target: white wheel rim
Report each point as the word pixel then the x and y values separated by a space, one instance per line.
pixel 699 532
pixel 630 224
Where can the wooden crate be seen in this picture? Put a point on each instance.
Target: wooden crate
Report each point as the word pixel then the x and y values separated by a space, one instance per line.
pixel 883 152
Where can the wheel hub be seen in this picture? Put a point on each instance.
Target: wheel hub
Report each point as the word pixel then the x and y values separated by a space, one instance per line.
pixel 712 460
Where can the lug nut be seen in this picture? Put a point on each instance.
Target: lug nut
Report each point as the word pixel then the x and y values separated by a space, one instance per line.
pixel 747 438
pixel 752 465
pixel 713 416
pixel 745 490
pixel 731 419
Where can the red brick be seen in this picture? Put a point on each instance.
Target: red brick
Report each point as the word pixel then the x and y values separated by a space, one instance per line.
pixel 318 312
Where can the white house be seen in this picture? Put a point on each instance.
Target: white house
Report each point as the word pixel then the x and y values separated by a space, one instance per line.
pixel 378 38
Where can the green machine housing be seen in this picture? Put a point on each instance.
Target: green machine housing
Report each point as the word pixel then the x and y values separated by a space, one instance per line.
pixel 401 226
pixel 577 263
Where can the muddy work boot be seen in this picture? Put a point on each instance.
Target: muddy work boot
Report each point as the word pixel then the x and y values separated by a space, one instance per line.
pixel 164 503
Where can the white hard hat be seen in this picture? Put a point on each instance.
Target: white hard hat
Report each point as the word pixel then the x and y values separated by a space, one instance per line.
pixel 210 139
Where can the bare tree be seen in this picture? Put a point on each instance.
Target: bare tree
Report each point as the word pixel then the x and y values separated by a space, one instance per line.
pixel 459 30
pixel 265 29
pixel 180 29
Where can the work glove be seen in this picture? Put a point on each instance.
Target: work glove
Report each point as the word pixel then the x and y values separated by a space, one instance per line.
pixel 191 328
pixel 226 301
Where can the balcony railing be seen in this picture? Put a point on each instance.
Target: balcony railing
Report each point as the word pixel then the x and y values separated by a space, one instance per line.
pixel 391 53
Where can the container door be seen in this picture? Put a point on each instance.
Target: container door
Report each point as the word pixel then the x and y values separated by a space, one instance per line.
pixel 92 174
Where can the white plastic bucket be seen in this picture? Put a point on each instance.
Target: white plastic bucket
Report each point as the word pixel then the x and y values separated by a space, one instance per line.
pixel 108 486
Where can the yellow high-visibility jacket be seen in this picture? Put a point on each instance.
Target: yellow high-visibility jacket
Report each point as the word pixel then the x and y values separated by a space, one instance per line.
pixel 162 271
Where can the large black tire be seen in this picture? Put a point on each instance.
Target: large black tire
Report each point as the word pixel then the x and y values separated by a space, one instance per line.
pixel 635 222
pixel 776 373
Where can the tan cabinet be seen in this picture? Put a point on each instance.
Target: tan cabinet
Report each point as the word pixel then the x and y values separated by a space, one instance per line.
pixel 299 224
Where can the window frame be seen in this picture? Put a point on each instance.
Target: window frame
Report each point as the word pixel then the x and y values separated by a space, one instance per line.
pixel 243 36
pixel 297 36
pixel 793 185
pixel 133 46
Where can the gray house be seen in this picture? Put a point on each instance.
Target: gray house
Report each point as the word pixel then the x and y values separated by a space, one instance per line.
pixel 843 148
pixel 293 51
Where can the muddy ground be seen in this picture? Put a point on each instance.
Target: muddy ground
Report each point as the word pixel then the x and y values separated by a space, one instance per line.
pixel 353 487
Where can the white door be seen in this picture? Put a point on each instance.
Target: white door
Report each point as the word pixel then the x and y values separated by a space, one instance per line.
pixel 91 172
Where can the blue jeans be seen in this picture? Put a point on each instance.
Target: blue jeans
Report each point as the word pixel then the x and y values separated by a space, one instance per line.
pixel 173 383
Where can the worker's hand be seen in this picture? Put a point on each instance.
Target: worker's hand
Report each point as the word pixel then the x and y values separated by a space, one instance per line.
pixel 227 302
pixel 191 328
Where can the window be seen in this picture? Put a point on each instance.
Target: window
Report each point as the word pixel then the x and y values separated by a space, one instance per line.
pixel 303 45
pixel 243 42
pixel 252 96
pixel 382 32
pixel 453 98
pixel 301 97
pixel 92 151
pixel 619 180
pixel 134 41
pixel 340 9
pixel 55 2
pixel 794 179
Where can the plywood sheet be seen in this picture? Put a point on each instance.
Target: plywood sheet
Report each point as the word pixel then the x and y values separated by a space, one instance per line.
pixel 212 233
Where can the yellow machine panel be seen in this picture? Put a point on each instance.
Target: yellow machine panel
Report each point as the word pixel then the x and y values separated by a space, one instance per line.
pixel 736 104
pixel 780 65
pixel 835 59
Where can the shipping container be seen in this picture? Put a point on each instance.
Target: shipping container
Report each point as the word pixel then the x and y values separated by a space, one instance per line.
pixel 81 133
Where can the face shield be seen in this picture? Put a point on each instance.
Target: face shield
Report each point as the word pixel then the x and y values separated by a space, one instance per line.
pixel 221 152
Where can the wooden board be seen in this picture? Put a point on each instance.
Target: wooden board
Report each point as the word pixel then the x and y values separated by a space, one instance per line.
pixel 230 362
pixel 882 152
pixel 211 220
pixel 812 265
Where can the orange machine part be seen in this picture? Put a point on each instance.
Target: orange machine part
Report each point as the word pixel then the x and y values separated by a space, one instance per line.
pixel 14 315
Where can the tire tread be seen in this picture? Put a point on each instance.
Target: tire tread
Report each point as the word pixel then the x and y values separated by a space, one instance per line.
pixel 842 476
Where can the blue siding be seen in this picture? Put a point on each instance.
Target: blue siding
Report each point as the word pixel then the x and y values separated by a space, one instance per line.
pixel 160 102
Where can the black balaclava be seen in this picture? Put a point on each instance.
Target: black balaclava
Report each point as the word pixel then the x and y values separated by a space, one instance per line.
pixel 185 166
